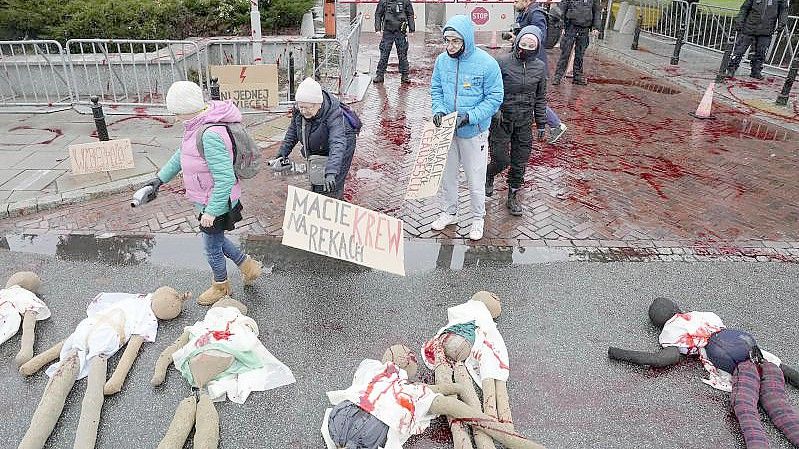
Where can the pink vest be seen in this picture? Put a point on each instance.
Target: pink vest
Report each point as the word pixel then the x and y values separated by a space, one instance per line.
pixel 196 176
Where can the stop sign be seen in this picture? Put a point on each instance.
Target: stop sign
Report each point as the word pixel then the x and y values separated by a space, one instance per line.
pixel 480 16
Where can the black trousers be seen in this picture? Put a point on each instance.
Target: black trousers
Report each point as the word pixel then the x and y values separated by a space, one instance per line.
pixel 398 39
pixel 510 143
pixel 576 37
pixel 759 46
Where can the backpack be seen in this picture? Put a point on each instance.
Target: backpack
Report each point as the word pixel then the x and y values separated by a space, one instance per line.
pixel 352 118
pixel 554 26
pixel 246 153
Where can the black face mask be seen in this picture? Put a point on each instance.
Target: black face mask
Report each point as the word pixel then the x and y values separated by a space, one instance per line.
pixel 458 53
pixel 524 55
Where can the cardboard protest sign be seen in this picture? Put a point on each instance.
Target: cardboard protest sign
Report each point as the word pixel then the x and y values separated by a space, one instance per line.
pixel 101 156
pixel 341 230
pixel 431 158
pixel 249 86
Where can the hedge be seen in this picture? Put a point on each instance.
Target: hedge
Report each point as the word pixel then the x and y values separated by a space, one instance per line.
pixel 136 19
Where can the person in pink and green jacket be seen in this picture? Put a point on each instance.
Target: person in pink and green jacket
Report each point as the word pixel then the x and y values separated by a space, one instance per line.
pixel 210 181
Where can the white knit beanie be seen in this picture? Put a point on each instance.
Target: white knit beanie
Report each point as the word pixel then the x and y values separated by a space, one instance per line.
pixel 309 91
pixel 184 97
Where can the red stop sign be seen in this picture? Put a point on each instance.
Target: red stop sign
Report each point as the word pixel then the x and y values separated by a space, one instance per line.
pixel 480 16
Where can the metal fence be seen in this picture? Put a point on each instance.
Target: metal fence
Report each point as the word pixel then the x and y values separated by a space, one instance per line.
pixel 709 27
pixel 135 73
pixel 34 73
pixel 130 72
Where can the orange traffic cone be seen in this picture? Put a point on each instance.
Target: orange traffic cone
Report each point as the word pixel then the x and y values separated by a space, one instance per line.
pixel 703 111
pixel 493 43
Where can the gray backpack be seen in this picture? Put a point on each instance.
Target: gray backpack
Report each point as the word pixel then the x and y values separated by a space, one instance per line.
pixel 246 153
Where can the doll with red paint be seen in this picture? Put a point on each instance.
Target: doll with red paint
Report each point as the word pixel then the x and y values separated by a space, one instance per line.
pixel 384 407
pixel 734 363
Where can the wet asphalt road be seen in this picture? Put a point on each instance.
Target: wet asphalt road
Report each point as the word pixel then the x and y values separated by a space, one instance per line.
pixel 321 318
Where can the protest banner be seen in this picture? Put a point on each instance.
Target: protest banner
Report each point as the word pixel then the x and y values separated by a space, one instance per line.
pixel 334 228
pixel 101 156
pixel 431 158
pixel 249 86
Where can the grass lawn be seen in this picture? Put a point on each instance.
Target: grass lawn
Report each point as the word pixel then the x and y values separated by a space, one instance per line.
pixel 733 4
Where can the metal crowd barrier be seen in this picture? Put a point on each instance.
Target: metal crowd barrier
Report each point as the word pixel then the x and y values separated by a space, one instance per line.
pixel 47 76
pixel 34 73
pixel 130 72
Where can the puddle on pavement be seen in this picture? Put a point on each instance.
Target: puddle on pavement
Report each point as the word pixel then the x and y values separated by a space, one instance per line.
pixel 186 251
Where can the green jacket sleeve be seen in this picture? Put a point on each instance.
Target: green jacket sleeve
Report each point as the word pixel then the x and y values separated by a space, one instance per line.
pixel 171 169
pixel 221 167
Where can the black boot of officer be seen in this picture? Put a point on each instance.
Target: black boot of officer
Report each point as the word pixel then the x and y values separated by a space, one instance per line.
pixel 394 18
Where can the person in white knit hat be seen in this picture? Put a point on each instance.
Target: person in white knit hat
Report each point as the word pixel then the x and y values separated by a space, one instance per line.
pixel 327 130
pixel 210 181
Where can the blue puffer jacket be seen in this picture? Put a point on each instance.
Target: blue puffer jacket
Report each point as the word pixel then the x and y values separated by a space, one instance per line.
pixel 470 84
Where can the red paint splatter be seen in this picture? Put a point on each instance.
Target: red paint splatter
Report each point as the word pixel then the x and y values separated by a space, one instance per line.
pixel 56 133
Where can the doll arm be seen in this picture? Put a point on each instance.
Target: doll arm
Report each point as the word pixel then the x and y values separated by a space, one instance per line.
pixel 791 375
pixel 114 384
pixel 665 357
pixel 36 363
pixel 165 359
pixel 26 348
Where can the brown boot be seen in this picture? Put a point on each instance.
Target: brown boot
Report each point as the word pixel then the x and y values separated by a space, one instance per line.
pixel 217 291
pixel 250 270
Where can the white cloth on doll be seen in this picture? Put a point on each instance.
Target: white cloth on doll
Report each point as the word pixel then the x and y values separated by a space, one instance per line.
pixel 225 329
pixel 14 302
pixel 689 332
pixel 383 390
pixel 489 356
pixel 112 318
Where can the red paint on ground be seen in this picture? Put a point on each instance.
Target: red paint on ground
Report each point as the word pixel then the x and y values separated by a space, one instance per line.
pixel 56 133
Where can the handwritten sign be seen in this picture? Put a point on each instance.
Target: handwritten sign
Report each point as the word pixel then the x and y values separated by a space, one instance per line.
pixel 341 230
pixel 431 158
pixel 101 156
pixel 249 86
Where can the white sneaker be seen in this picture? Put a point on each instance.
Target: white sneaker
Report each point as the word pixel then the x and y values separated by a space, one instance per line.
pixel 477 229
pixel 443 221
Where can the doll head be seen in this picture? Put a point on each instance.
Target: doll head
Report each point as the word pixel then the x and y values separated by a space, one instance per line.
pixel 227 301
pixel 167 303
pixel 661 310
pixel 26 279
pixel 491 300
pixel 403 357
pixel 456 347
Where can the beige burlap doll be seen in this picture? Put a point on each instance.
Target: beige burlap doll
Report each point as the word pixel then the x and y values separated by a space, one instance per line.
pixel 220 356
pixel 113 320
pixel 384 407
pixel 481 357
pixel 21 305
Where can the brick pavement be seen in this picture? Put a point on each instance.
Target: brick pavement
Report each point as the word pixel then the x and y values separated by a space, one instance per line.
pixel 635 177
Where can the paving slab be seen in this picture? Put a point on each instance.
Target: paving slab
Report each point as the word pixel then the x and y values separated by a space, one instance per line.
pixel 32 180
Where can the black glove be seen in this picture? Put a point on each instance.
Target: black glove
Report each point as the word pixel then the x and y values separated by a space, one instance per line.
pixel 155 183
pixel 542 132
pixel 437 119
pixel 463 120
pixel 780 29
pixel 330 182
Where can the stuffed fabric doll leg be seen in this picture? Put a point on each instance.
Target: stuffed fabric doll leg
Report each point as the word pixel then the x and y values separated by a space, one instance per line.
pixel 460 434
pixel 92 405
pixel 52 404
pixel 28 332
pixel 775 402
pixel 744 398
pixel 462 377
pixel 181 425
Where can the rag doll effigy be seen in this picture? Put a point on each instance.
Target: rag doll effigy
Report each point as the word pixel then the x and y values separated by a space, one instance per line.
pixel 21 305
pixel 113 320
pixel 222 357
pixel 734 363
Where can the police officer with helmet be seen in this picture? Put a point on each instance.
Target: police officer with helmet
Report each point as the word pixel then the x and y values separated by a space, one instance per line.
pixel 394 18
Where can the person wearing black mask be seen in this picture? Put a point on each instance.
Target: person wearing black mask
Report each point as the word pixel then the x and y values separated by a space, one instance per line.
pixel 511 136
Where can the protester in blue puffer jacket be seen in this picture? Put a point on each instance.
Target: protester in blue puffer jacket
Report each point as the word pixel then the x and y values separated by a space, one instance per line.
pixel 465 79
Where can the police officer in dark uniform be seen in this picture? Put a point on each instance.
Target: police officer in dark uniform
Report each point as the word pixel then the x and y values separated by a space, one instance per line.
pixel 394 18
pixel 580 17
pixel 755 24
